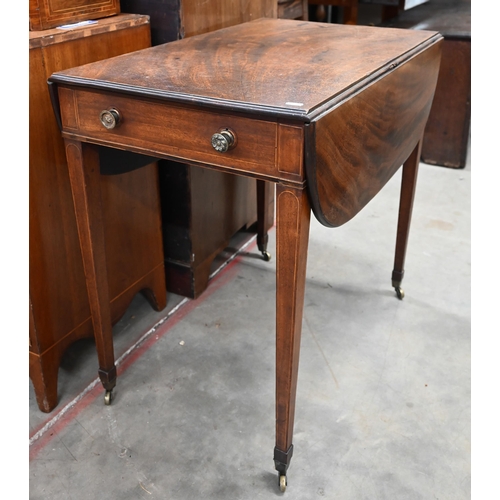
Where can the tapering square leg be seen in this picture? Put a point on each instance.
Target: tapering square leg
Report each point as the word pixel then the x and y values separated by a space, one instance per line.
pixel 84 172
pixel 265 190
pixel 292 230
pixel 408 185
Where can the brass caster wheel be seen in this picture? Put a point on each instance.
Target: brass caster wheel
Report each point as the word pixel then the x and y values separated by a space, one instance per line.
pixel 266 256
pixel 108 398
pixel 399 292
pixel 282 483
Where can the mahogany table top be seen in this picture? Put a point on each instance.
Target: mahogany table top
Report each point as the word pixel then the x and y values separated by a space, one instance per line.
pixel 271 66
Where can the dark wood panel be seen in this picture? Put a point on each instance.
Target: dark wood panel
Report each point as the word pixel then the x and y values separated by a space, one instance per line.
pixel 447 132
pixel 171 131
pixel 354 161
pixel 244 82
pixel 165 17
pixel 176 19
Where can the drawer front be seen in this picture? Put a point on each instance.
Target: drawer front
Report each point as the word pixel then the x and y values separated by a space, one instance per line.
pixel 171 130
pixel 46 14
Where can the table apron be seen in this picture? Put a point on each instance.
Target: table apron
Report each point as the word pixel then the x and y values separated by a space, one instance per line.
pixel 269 150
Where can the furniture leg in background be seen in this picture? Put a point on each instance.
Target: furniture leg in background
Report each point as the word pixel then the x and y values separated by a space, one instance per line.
pixel 265 215
pixel 408 185
pixel 446 136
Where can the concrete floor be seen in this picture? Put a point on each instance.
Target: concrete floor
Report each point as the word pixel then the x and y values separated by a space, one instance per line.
pixel 384 391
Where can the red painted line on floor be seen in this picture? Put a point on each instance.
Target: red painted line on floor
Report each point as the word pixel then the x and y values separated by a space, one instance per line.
pixel 58 422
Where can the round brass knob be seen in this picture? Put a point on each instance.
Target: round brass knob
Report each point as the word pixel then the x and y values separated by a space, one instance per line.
pixel 223 140
pixel 110 118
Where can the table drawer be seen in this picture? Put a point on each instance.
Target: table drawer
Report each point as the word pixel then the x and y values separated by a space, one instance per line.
pixel 180 132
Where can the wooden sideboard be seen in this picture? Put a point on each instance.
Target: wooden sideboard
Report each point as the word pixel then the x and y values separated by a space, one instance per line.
pixel 59 306
pixel 201 209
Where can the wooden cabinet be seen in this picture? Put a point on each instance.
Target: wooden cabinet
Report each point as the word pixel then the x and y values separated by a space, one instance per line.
pixel 199 222
pixel 59 307
pixel 46 14
pixel 446 135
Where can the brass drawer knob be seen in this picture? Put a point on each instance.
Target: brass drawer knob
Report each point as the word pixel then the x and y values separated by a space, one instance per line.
pixel 110 118
pixel 223 141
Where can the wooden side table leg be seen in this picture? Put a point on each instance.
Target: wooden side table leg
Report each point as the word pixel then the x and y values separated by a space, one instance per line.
pixel 83 165
pixel 265 190
pixel 292 228
pixel 408 184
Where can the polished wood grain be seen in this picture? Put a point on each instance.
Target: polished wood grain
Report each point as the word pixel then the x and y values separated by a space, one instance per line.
pixel 46 14
pixel 329 127
pixel 59 305
pixel 177 19
pixel 80 36
pixel 354 161
pixel 446 137
pixel 265 213
pixel 241 76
